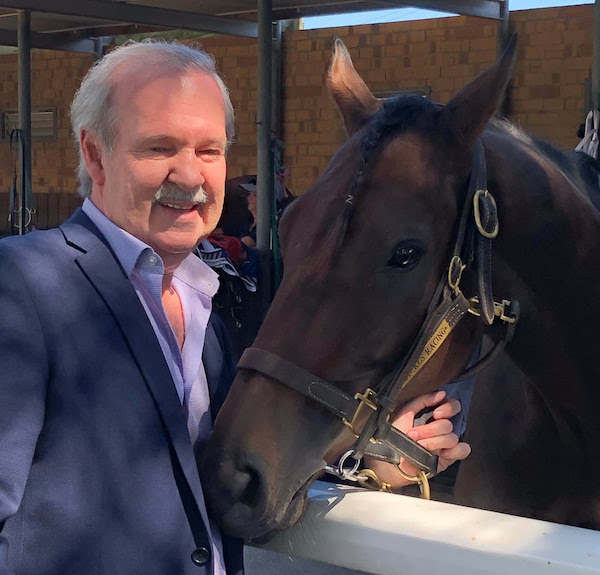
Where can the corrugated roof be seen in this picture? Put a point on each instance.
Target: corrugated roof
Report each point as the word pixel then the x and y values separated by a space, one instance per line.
pixel 89 18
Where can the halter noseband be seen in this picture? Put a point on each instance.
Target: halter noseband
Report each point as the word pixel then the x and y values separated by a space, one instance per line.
pixel 367 414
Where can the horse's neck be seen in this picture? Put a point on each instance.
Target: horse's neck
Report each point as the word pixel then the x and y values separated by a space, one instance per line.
pixel 546 256
pixel 549 234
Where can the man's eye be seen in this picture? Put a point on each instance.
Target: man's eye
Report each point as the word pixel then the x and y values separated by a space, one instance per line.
pixel 406 256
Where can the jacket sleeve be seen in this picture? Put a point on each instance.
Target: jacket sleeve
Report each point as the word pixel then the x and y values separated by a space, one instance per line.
pixel 23 383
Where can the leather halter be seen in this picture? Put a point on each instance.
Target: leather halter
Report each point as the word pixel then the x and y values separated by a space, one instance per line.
pixel 367 414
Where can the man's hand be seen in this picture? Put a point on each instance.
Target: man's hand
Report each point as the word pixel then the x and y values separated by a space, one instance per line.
pixel 435 435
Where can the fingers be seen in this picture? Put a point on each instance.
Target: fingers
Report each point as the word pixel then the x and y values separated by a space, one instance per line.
pixel 405 420
pixel 448 456
pixel 454 452
pixel 436 436
pixel 448 409
pixel 422 401
pixel 432 429
pixel 439 442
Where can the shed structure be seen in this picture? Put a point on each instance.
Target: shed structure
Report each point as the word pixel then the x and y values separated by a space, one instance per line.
pixel 82 26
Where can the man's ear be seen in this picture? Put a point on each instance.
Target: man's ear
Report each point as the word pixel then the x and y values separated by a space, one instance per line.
pixel 92 152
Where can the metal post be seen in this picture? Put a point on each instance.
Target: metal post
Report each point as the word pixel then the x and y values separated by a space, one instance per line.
pixel 264 178
pixel 276 116
pixel 503 28
pixel 596 58
pixel 98 48
pixel 264 159
pixel 503 35
pixel 24 59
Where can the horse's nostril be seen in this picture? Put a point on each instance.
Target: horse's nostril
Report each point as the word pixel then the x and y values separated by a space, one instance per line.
pixel 243 482
pixel 250 495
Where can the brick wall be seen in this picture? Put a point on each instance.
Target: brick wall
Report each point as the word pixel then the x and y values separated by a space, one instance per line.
pixel 547 97
pixel 55 76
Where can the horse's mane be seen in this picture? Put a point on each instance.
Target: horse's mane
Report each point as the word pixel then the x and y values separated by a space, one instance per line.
pixel 582 171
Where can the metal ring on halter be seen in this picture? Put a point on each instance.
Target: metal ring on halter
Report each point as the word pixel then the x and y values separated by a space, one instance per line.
pixel 347 473
pixel 455 271
pixel 421 478
pixel 332 470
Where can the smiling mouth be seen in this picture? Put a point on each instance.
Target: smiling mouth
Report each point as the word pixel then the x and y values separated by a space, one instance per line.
pixel 179 207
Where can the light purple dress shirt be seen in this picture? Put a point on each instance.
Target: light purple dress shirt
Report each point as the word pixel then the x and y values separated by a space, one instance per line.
pixel 196 283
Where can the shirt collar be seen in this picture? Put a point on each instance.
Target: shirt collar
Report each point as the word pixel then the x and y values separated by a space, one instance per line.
pixel 133 253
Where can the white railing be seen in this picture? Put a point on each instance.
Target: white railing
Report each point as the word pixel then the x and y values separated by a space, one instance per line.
pixel 389 534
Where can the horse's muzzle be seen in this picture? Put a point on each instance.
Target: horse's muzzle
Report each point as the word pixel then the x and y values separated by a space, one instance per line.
pixel 237 493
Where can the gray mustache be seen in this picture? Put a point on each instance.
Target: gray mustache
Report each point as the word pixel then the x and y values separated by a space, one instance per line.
pixel 173 193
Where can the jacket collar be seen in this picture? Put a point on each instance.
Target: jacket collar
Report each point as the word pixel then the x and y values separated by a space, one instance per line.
pixel 101 268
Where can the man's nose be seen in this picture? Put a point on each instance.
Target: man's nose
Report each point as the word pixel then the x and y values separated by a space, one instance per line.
pixel 187 171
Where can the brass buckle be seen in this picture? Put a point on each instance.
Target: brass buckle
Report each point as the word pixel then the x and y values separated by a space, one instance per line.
pixel 421 478
pixel 456 266
pixel 368 479
pixel 365 400
pixel 477 213
pixel 499 309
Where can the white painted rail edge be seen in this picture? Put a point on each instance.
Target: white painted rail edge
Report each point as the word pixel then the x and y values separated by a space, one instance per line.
pixel 389 534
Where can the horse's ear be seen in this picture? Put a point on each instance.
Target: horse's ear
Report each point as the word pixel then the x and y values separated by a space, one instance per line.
pixel 467 114
pixel 354 100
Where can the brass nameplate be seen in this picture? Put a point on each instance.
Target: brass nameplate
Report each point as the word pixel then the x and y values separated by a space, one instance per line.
pixel 437 339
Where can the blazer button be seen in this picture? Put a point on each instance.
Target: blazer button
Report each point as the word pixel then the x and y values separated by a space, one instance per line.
pixel 200 556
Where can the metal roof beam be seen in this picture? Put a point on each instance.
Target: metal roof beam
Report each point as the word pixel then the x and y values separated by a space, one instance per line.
pixel 480 8
pixel 290 9
pixel 138 14
pixel 49 42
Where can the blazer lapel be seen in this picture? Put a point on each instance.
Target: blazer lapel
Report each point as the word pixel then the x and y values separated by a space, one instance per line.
pixel 103 271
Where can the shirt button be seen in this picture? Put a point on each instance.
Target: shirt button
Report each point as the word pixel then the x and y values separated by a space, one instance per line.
pixel 200 556
pixel 153 260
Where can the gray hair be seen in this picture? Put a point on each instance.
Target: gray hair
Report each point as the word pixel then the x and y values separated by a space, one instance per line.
pixel 92 107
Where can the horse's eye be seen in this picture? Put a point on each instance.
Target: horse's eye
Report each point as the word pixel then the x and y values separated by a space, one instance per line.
pixel 406 256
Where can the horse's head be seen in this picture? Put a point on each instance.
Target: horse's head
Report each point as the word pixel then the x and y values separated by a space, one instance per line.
pixel 364 250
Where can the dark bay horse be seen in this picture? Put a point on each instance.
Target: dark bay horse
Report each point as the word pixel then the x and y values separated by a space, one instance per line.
pixel 365 250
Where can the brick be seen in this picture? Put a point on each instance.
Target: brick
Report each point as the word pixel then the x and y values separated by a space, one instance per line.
pixel 553 104
pixel 545 92
pixel 469 33
pixel 482 57
pixel 417 36
pixel 481 44
pixel 304 46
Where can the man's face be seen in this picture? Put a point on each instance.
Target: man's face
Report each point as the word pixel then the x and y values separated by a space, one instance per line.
pixel 171 136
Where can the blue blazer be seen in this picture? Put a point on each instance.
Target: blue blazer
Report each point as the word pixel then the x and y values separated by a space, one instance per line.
pixel 97 471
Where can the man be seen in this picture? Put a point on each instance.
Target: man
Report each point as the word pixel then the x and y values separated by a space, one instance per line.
pixel 104 387
pixel 105 391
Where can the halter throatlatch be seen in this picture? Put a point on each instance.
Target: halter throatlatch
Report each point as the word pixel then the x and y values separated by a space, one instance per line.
pixel 367 414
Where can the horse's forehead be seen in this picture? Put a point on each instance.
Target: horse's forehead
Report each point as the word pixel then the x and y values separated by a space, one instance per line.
pixel 396 175
pixel 409 156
